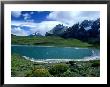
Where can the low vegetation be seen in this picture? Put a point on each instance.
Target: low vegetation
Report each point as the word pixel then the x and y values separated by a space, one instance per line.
pixel 21 67
pixel 39 73
pixel 49 41
pixel 58 69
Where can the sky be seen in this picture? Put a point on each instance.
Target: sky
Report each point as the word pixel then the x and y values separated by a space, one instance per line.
pixel 24 23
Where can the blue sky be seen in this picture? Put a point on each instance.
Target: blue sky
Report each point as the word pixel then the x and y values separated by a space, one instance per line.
pixel 24 23
pixel 31 15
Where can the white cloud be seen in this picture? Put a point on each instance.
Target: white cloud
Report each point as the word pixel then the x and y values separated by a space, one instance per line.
pixel 67 18
pixel 26 16
pixel 41 27
pixel 45 26
pixel 23 23
pixel 72 17
pixel 16 13
pixel 19 32
pixel 31 12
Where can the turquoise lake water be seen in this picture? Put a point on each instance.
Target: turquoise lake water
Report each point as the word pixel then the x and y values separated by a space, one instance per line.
pixel 45 52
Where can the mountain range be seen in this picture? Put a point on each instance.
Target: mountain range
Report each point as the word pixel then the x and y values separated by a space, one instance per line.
pixel 87 30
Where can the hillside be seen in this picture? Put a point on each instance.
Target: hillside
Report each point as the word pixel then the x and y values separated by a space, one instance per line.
pixel 48 41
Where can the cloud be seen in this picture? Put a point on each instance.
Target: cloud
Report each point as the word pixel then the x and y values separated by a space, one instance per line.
pixel 41 27
pixel 26 16
pixel 19 32
pixel 31 12
pixel 45 26
pixel 67 18
pixel 72 17
pixel 23 23
pixel 16 13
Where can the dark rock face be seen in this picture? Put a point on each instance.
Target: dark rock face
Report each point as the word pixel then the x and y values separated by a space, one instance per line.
pixel 87 30
pixel 58 30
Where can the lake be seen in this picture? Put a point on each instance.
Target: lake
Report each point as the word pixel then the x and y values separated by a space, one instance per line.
pixel 51 52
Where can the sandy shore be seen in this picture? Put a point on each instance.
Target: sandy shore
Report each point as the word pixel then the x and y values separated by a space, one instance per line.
pixel 61 60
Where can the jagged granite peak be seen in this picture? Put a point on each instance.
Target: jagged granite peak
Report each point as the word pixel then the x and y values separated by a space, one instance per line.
pixel 35 34
pixel 57 30
pixel 87 30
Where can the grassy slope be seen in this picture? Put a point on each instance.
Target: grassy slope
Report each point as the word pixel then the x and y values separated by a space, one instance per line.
pixel 22 67
pixel 49 41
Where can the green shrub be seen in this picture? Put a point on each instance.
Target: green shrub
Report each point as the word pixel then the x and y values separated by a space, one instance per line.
pixel 13 73
pixel 95 64
pixel 68 73
pixel 58 69
pixel 72 69
pixel 41 73
pixel 38 67
pixel 95 72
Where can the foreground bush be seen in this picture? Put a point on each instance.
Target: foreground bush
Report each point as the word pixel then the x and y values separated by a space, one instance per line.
pixel 21 67
pixel 95 64
pixel 58 69
pixel 39 73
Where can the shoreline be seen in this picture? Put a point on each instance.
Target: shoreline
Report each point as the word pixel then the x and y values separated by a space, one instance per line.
pixel 76 47
pixel 60 60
